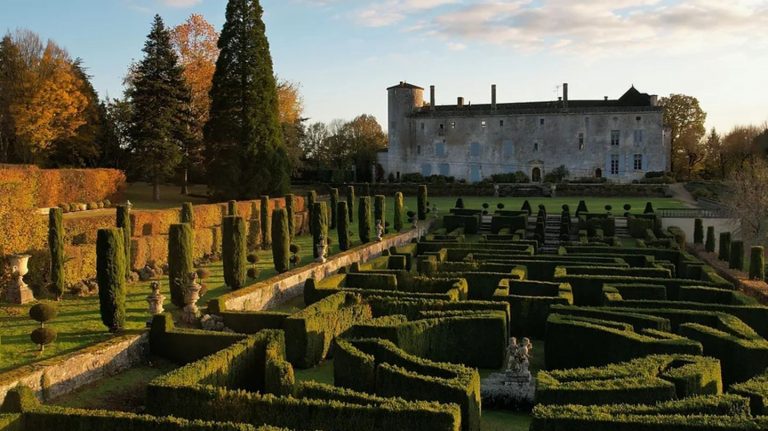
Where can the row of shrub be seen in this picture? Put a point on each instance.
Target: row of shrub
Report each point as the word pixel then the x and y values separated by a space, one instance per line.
pixel 81 206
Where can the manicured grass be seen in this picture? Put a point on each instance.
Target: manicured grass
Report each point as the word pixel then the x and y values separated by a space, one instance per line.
pixel 501 420
pixel 140 195
pixel 322 373
pixel 125 391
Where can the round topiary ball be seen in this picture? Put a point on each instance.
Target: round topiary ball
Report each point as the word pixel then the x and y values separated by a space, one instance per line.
pixel 253 258
pixel 107 203
pixel 500 206
pixel 608 207
pixel 411 214
pixel 43 336
pixel 43 312
pixel 253 273
pixel 485 205
pixel 627 207
pixel 566 207
pixel 295 248
pixel 541 206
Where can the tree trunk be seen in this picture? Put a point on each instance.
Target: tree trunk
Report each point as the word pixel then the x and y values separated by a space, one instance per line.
pixel 156 190
pixel 185 184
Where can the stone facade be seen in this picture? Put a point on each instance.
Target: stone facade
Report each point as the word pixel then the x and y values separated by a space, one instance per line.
pixel 619 139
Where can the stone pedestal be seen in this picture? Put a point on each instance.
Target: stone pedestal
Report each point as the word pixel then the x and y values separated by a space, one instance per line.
pixel 191 295
pixel 18 292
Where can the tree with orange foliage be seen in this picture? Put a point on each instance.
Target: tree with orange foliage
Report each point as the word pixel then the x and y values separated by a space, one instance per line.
pixel 195 44
pixel 290 106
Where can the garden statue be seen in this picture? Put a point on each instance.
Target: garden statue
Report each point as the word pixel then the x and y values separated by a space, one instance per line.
pixel 513 387
pixel 379 231
pixel 155 300
pixel 322 249
pixel 18 292
pixel 191 296
pixel 519 356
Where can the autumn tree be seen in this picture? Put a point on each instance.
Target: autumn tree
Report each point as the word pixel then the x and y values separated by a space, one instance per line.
pixel 43 96
pixel 685 119
pixel 195 42
pixel 160 105
pixel 748 199
pixel 717 157
pixel 741 145
pixel 245 153
pixel 290 108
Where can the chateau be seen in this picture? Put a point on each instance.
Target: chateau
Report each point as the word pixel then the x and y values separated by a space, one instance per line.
pixel 620 139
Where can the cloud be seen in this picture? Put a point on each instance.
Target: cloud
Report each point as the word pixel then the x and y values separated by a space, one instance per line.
pixel 180 3
pixel 389 12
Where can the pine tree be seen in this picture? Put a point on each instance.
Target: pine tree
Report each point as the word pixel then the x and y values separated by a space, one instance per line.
pixel 244 144
pixel 160 101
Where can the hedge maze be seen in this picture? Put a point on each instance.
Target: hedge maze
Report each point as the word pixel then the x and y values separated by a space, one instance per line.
pixel 638 334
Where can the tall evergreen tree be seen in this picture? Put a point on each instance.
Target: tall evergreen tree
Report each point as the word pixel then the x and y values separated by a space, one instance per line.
pixel 244 145
pixel 160 101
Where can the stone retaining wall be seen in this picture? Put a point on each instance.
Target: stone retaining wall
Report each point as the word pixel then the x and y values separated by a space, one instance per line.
pixel 283 287
pixel 62 374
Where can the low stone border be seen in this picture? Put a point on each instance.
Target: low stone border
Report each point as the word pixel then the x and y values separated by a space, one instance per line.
pixel 62 374
pixel 754 288
pixel 283 287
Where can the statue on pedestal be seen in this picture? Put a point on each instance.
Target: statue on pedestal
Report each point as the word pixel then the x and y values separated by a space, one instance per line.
pixel 518 358
pixel 321 249
pixel 379 231
pixel 155 300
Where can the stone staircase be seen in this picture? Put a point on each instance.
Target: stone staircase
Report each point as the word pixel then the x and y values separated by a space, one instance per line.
pixel 551 234
pixel 485 224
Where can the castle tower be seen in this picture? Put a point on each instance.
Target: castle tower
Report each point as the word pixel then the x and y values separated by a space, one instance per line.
pixel 404 99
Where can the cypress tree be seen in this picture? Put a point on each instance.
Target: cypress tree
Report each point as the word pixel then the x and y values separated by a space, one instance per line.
pixel 581 208
pixel 56 247
pixel 319 225
pixel 351 203
pixel 244 142
pixel 736 259
pixel 309 203
pixel 698 231
pixel 254 227
pixel 180 249
pixel 710 243
pixel 725 246
pixel 289 207
pixel 124 222
pixel 648 208
pixel 187 213
pixel 266 223
pixel 160 109
pixel 379 209
pixel 233 251
pixel 757 263
pixel 110 275
pixel 364 219
pixel 422 202
pixel 232 208
pixel 343 227
pixel 281 240
pixel 399 212
pixel 334 204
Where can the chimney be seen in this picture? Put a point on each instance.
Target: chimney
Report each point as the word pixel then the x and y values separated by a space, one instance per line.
pixel 431 97
pixel 493 97
pixel 605 98
pixel 565 94
pixel 460 102
pixel 654 100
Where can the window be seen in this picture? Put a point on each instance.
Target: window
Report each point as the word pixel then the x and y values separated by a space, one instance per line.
pixel 638 118
pixel 535 146
pixel 422 126
pixel 541 121
pixel 453 124
pixel 482 124
pixel 440 149
pixel 418 149
pixel 638 136
pixel 614 164
pixel 501 123
pixel 426 169
pixel 615 137
pixel 445 169
pixel 474 149
pixel 586 121
pixel 441 127
pixel 581 141
pixel 638 162
pixel 474 174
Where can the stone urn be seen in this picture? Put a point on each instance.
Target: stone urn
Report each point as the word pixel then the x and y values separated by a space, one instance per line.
pixel 191 296
pixel 155 301
pixel 18 292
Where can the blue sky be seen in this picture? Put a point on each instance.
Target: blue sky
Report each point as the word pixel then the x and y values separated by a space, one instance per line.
pixel 344 53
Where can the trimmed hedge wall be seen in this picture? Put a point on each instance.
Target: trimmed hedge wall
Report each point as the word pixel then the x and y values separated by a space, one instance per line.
pixel 724 412
pixel 644 380
pixel 470 223
pixel 378 366
pixel 573 342
pixel 310 331
pixel 530 302
pixel 756 389
pixel 183 346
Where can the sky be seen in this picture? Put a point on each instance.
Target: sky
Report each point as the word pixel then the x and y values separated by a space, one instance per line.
pixel 345 53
